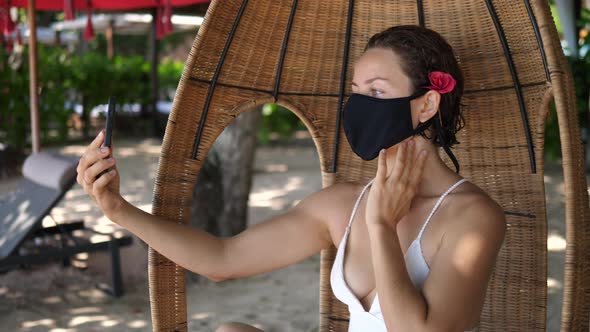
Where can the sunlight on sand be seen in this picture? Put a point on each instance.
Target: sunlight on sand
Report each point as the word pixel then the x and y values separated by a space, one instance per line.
pixel 145 207
pixel 276 168
pixel 52 300
pixel 547 179
pixel 85 310
pixel 99 238
pixel 150 146
pixel 273 204
pixel 110 323
pixel 559 185
pixel 556 242
pixel 74 149
pixel 133 198
pixel 137 324
pixel 75 192
pixel 125 152
pixel 294 183
pixel 272 198
pixel 80 320
pixel 136 184
pixel 202 315
pixel 41 322
pixel 92 293
pixel 105 227
pixel 554 283
pixel 258 198
pixel 82 255
pixel 83 207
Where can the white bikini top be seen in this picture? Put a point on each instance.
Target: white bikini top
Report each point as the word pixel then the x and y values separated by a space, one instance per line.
pixel 372 320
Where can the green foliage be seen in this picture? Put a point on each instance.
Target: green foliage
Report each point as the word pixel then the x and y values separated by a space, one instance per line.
pixel 277 119
pixel 89 80
pixel 14 104
pixel 91 77
pixel 96 78
pixel 580 68
pixel 169 74
pixel 133 73
pixel 14 96
pixel 65 80
pixel 553 8
pixel 54 82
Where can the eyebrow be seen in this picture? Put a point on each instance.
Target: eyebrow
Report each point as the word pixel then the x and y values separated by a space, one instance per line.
pixel 372 79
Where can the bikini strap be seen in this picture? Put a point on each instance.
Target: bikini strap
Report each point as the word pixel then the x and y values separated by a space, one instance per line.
pixel 442 197
pixel 358 201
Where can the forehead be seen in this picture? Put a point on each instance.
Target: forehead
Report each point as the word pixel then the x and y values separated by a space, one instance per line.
pixel 377 62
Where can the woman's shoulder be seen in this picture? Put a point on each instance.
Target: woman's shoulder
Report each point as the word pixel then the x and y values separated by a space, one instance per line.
pixel 333 203
pixel 340 193
pixel 473 209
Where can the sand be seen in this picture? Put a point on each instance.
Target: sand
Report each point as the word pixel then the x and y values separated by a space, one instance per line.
pixel 52 298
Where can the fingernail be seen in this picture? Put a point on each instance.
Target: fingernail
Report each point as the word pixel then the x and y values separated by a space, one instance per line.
pixel 104 149
pixel 100 133
pixel 113 172
pixel 111 161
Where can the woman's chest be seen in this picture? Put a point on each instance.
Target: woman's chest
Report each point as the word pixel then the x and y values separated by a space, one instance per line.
pixel 358 266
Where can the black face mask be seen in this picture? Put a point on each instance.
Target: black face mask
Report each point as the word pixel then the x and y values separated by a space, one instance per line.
pixel 372 124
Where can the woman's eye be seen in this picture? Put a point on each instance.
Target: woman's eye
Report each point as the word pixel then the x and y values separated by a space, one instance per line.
pixel 376 93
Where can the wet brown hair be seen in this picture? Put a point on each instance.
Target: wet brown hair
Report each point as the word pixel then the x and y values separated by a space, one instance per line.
pixel 422 51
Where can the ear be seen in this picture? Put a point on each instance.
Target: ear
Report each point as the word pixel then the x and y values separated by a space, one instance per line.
pixel 427 105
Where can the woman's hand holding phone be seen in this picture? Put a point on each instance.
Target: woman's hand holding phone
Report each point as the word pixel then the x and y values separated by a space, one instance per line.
pixel 97 172
pixel 103 188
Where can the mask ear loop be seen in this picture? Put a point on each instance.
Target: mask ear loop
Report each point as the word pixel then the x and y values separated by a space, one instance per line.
pixel 443 141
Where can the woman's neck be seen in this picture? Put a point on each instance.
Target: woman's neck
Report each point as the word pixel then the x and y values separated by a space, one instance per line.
pixel 437 177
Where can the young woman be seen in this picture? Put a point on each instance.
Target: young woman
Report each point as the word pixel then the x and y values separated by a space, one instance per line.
pixel 416 245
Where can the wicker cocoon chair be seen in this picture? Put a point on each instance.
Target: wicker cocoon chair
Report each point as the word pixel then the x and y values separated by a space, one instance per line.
pixel 300 54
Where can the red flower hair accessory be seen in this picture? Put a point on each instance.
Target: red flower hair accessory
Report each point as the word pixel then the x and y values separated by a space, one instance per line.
pixel 441 82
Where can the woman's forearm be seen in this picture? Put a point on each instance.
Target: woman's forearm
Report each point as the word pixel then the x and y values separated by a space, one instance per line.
pixel 403 306
pixel 191 248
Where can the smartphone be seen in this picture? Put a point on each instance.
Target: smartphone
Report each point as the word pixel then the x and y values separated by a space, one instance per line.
pixel 108 139
pixel 110 120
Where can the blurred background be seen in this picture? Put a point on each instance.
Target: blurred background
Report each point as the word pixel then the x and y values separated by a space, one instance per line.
pixel 134 56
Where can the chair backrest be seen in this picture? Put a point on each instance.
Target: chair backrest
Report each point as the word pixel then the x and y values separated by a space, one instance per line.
pixel 46 178
pixel 300 54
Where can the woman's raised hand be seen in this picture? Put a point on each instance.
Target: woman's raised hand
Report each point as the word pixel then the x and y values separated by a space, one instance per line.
pixel 104 189
pixel 395 185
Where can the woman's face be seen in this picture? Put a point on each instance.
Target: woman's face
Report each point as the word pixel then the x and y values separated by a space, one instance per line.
pixel 377 73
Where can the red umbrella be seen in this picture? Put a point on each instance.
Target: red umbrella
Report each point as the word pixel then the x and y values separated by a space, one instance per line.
pixel 70 6
pixel 59 5
pixel 164 26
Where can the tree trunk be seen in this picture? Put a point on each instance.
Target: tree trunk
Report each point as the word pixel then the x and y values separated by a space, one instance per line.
pixel 208 195
pixel 237 146
pixel 220 198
